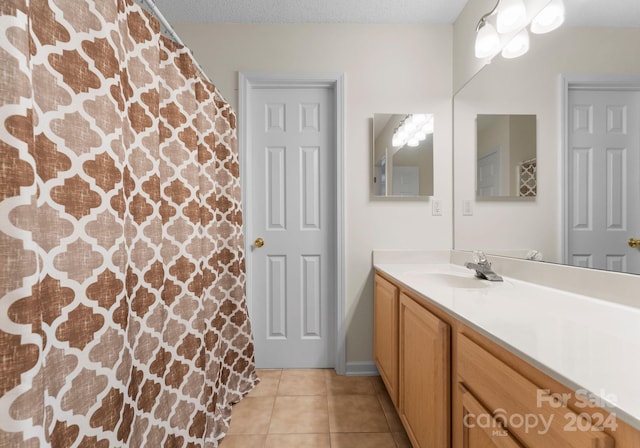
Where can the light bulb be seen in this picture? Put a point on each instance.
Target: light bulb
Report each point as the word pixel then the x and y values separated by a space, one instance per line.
pixel 487 41
pixel 420 119
pixel 428 128
pixel 550 18
pixel 517 46
pixel 512 15
pixel 413 142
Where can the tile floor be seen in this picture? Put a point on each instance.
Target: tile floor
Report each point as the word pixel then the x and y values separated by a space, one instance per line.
pixel 315 408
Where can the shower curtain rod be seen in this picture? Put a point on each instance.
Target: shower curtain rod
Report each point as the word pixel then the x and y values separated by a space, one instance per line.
pixel 166 28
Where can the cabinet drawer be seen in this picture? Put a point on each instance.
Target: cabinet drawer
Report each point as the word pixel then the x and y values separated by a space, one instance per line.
pixel 531 414
pixel 480 428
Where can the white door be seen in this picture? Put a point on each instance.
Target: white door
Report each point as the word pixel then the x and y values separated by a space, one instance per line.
pixel 406 181
pixel 489 174
pixel 604 179
pixel 293 183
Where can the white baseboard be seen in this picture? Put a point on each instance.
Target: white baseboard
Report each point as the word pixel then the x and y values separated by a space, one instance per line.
pixel 361 368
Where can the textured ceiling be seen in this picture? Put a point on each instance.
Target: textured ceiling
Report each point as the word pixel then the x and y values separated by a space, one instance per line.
pixel 579 12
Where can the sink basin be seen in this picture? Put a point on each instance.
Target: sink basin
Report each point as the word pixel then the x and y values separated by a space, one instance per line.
pixel 458 281
pixel 451 280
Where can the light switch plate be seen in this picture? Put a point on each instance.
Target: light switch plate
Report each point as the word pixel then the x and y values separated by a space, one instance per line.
pixel 467 208
pixel 436 207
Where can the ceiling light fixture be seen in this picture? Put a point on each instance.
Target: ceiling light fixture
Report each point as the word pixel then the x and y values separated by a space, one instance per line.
pixel 517 46
pixel 412 130
pixel 510 16
pixel 550 18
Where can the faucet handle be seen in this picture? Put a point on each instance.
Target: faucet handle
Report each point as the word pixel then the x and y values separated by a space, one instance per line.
pixel 534 255
pixel 479 257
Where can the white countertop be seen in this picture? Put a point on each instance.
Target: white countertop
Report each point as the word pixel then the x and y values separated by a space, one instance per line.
pixel 585 343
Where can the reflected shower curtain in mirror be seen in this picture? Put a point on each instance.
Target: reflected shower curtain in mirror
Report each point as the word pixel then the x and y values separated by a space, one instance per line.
pixel 123 319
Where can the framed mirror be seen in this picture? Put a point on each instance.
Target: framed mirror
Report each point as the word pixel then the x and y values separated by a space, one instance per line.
pixel 402 156
pixel 506 164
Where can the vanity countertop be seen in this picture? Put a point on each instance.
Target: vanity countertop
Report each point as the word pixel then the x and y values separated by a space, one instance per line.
pixel 587 344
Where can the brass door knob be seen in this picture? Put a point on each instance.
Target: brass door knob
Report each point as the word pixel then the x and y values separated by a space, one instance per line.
pixel 633 242
pixel 259 242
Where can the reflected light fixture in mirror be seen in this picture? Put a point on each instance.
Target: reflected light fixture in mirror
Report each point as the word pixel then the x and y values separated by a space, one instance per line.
pixel 550 18
pixel 511 16
pixel 412 130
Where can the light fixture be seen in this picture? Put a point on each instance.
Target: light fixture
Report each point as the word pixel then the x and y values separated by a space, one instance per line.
pixel 412 130
pixel 550 18
pixel 511 16
pixel 517 46
pixel 509 33
pixel 487 41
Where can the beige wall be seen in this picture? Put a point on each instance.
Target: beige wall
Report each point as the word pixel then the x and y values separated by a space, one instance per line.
pixel 389 68
pixel 530 85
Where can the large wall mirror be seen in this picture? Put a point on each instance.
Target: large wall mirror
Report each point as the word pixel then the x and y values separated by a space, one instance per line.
pixel 505 156
pixel 402 156
pixel 582 81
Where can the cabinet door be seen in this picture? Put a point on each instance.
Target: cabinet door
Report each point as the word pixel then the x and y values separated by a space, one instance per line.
pixel 424 375
pixel 480 429
pixel 385 334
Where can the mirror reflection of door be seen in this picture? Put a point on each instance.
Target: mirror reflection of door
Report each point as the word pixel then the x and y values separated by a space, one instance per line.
pixel 406 180
pixel 604 179
pixel 489 174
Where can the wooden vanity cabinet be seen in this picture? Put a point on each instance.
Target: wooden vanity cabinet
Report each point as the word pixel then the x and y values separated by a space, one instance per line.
pixel 424 375
pixel 502 400
pixel 453 386
pixel 412 353
pixel 385 334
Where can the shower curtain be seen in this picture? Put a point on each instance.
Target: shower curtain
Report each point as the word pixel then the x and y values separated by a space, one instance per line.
pixel 123 319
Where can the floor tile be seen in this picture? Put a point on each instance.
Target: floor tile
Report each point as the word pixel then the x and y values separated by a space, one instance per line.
pixel 301 415
pixel 268 386
pixel 349 385
pixel 243 441
pixel 251 416
pixel 362 440
pixel 303 382
pixel 298 441
pixel 356 413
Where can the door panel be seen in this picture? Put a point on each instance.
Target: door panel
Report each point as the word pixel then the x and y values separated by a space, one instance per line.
pixel 293 185
pixel 488 173
pixel 604 179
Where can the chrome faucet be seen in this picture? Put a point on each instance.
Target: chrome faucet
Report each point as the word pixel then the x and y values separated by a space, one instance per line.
pixel 482 266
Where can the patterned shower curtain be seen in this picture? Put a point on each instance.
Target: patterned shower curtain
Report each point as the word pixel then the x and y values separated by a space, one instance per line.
pixel 123 319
